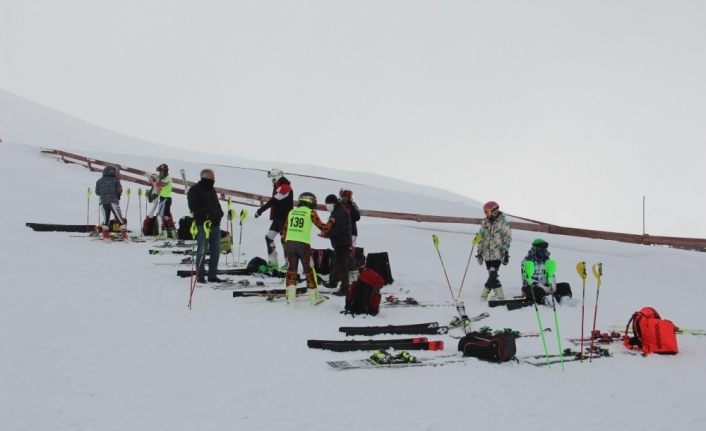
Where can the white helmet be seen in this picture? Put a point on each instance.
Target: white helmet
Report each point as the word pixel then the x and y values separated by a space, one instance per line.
pixel 275 174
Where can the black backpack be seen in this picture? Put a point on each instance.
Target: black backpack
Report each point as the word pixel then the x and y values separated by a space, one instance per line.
pixel 323 260
pixel 150 226
pixel 184 231
pixel 380 263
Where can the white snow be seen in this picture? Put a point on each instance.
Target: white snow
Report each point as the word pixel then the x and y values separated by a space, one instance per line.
pixel 95 336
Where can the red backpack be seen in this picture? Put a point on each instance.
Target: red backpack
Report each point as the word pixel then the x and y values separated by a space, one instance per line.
pixel 363 296
pixel 651 333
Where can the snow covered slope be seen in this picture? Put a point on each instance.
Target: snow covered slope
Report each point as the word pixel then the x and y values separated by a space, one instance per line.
pixel 97 336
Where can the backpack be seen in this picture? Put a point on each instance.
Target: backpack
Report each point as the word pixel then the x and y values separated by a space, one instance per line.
pixel 363 295
pixel 323 260
pixel 487 347
pixel 380 263
pixel 226 242
pixel 651 333
pixel 359 257
pixel 114 226
pixel 150 227
pixel 184 231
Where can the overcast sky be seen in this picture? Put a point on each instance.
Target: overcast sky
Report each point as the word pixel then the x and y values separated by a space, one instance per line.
pixel 563 111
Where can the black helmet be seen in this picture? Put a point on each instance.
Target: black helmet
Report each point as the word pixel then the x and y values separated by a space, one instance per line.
pixel 163 168
pixel 307 199
pixel 331 199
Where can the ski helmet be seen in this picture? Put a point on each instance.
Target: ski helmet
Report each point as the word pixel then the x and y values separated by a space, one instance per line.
pixel 539 243
pixel 345 193
pixel 307 199
pixel 163 168
pixel 491 208
pixel 275 174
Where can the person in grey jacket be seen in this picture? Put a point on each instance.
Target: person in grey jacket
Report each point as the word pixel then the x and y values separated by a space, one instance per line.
pixel 109 190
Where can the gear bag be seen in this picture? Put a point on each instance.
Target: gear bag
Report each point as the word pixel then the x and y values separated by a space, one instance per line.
pixel 651 333
pixel 150 226
pixel 380 263
pixel 363 295
pixel 493 348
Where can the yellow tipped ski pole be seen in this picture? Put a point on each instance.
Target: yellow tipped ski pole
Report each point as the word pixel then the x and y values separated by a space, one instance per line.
pixel 243 216
pixel 139 204
pixel 581 270
pixel 598 273
pixel 88 209
pixel 476 240
pixel 199 265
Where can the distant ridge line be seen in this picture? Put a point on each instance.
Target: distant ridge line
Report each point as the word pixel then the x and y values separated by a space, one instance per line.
pixel 252 199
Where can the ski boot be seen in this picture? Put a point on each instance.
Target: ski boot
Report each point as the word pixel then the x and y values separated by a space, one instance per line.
pixel 404 357
pixel 315 298
pixel 291 294
pixel 380 357
pixel 106 233
pixel 499 294
pixel 484 294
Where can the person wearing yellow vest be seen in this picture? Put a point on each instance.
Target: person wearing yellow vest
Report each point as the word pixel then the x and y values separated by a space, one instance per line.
pixel 297 234
pixel 164 187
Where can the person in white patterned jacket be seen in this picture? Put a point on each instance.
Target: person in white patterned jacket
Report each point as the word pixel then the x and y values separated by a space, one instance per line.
pixel 494 241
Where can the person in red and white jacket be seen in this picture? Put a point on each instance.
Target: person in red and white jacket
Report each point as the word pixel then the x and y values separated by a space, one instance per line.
pixel 281 202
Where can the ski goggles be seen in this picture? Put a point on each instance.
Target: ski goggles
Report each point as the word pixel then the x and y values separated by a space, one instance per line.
pixel 488 213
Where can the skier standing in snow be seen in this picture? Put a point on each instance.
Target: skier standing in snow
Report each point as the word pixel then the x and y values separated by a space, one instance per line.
pixel 341 241
pixel 351 207
pixel 539 254
pixel 164 187
pixel 109 190
pixel 204 204
pixel 297 231
pixel 494 247
pixel 281 202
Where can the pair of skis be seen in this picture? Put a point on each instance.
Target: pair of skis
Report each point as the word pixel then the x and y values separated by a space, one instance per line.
pixel 416 343
pixel 416 328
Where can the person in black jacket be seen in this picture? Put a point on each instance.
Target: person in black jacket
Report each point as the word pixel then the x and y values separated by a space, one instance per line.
pixel 346 196
pixel 341 242
pixel 281 202
pixel 204 204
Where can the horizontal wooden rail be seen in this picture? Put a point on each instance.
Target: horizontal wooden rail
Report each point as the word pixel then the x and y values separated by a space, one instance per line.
pixel 252 199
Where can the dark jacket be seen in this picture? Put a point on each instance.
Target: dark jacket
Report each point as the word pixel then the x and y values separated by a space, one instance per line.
pixel 340 232
pixel 204 204
pixel 281 202
pixel 108 186
pixel 354 212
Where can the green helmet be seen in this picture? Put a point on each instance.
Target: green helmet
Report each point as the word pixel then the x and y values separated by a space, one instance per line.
pixel 539 243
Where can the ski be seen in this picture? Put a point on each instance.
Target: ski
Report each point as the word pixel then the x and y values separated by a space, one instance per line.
pixel 499 302
pixel 165 252
pixel 267 292
pixel 189 273
pixel 46 227
pixel 456 322
pixel 568 356
pixel 419 328
pixel 681 331
pixel 368 364
pixel 418 343
pixel 394 301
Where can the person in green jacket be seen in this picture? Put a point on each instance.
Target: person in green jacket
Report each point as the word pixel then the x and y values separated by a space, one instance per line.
pixel 164 186
pixel 297 234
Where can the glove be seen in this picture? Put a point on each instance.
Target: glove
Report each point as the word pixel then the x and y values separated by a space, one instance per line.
pixel 506 258
pixel 479 258
pixel 258 213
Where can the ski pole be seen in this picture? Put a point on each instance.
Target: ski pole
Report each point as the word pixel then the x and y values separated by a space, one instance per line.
pixel 550 274
pixel 476 240
pixel 243 216
pixel 88 208
pixel 581 270
pixel 230 216
pixel 183 177
pixel 139 205
pixel 459 304
pixel 199 267
pixel 598 273
pixel 127 207
pixel 528 269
